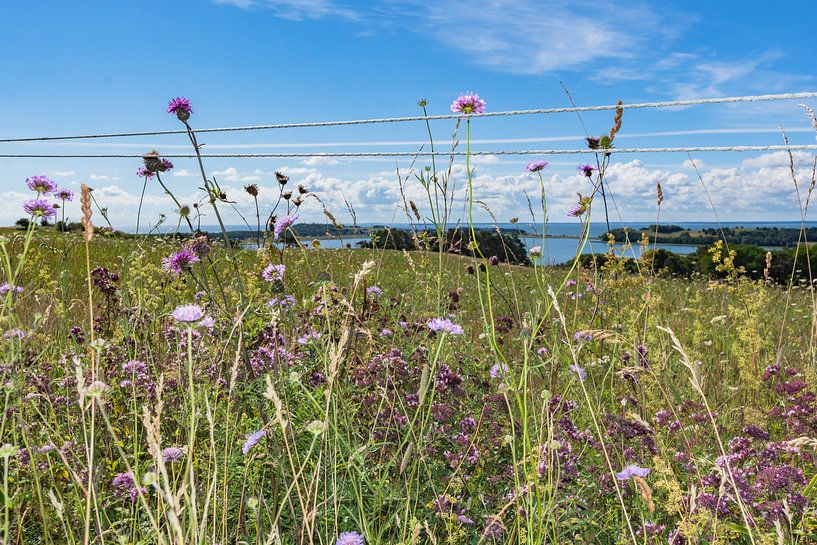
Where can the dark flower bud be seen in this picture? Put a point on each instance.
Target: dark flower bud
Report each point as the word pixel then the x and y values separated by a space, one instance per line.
pixel 287 195
pixel 592 143
pixel 302 190
pixel 493 260
pixel 281 177
pixel 469 269
pixel 252 189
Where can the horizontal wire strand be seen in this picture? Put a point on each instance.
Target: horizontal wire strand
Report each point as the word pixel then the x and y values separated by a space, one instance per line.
pixel 697 149
pixel 607 107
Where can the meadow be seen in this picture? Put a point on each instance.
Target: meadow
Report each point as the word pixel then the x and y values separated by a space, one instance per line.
pixel 179 389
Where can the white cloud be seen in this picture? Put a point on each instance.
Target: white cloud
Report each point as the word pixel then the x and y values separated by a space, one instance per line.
pixel 321 160
pixel 182 173
pixel 297 10
pixel 63 173
pixel 100 177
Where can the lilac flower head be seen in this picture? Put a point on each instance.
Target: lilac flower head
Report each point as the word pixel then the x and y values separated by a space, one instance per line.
pixel 39 208
pixel 64 194
pixel 374 290
pixel 444 325
pixel 143 172
pixel 498 370
pixel 172 454
pixel 181 107
pixel 284 223
pixel 14 334
pixel 576 210
pixel 468 104
pixel 631 471
pixel 274 273
pixel 188 313
pixel 535 251
pixel 349 538
pixel 41 184
pixel 166 165
pixel 252 440
pixel 579 372
pixel 5 287
pixel 179 262
pixel 587 170
pixel 536 166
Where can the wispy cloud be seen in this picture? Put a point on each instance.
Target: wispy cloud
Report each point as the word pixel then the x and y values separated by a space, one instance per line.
pixel 297 10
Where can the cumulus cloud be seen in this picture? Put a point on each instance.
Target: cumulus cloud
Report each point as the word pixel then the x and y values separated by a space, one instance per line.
pixel 182 173
pixel 63 173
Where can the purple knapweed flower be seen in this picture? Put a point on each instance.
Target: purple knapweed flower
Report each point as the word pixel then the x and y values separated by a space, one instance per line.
pixel 5 287
pixel 274 273
pixel 468 104
pixel 284 223
pixel 143 172
pixel 536 166
pixel 188 313
pixel 179 262
pixel 39 208
pixel 576 210
pixel 349 538
pixel 64 194
pixel 166 165
pixel 631 471
pixel 172 454
pixel 587 170
pixel 41 184
pixel 444 325
pixel 579 372
pixel 252 440
pixel 181 107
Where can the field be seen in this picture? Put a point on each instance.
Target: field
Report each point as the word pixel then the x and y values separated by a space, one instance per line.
pixel 178 389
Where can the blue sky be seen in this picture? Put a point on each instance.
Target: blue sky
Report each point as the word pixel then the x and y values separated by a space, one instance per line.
pixel 112 66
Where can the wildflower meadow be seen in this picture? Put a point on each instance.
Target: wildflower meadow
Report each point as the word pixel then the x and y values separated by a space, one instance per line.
pixel 179 386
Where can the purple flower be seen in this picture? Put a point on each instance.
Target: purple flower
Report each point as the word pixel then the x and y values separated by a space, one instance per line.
pixel 39 208
pixel 64 194
pixel 587 170
pixel 468 104
pixel 374 290
pixel 576 210
pixel 172 454
pixel 179 262
pixel 349 538
pixel 5 287
pixel 125 487
pixel 631 471
pixel 285 302
pixel 143 172
pixel 14 334
pixel 444 325
pixel 536 166
pixel 188 313
pixel 252 440
pixel 41 184
pixel 181 107
pixel 166 165
pixel 283 224
pixel 579 372
pixel 498 370
pixel 535 251
pixel 274 273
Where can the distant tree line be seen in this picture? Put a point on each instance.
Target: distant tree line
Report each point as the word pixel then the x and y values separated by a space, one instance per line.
pixel 507 247
pixel 675 234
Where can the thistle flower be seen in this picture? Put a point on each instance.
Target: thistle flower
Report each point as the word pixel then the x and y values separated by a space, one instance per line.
pixel 284 223
pixel 592 142
pixel 536 166
pixel 444 325
pixel 350 538
pixel 631 471
pixel 188 313
pixel 39 208
pixel 252 440
pixel 143 172
pixel 64 194
pixel 468 104
pixel 181 107
pixel 179 262
pixel 41 184
pixel 587 170
pixel 154 163
pixel 274 273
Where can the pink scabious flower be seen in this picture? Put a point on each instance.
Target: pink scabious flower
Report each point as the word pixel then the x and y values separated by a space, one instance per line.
pixel 587 170
pixel 274 273
pixel 143 172
pixel 444 325
pixel 252 440
pixel 41 184
pixel 374 290
pixel 64 194
pixel 350 538
pixel 631 471
pixel 284 223
pixel 536 166
pixel 179 262
pixel 39 208
pixel 188 313
pixel 180 106
pixel 468 104
pixel 576 210
pixel 172 454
